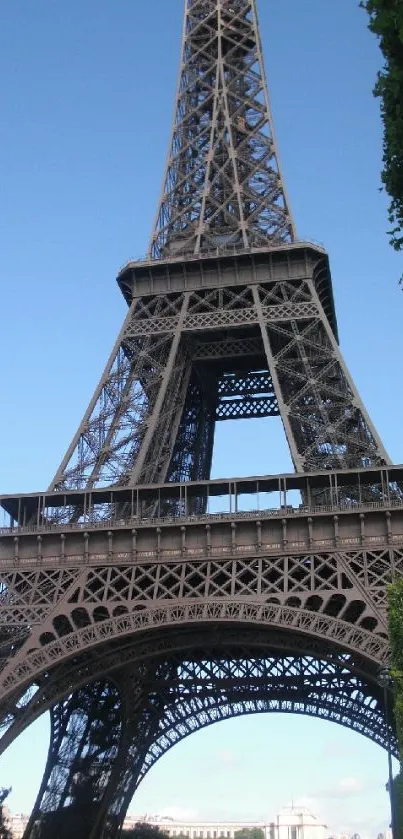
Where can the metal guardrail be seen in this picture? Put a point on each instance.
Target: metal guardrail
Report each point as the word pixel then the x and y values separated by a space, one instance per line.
pixel 234 250
pixel 156 521
pixel 216 552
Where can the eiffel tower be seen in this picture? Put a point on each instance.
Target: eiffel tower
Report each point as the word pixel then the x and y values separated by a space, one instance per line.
pixel 142 600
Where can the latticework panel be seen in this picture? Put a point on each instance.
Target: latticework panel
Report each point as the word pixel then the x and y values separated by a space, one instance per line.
pixel 132 394
pixel 325 420
pixel 338 594
pixel 165 700
pixel 222 184
pixel 244 396
pixel 172 374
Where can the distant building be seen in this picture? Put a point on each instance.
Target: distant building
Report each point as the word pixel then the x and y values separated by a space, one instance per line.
pixel 17 823
pixel 292 823
pixel 193 829
pixel 298 823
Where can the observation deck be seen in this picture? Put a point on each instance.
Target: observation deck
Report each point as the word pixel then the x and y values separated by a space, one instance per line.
pixel 230 266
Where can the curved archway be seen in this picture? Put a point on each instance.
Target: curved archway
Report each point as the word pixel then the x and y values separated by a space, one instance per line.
pixel 41 654
pixel 174 683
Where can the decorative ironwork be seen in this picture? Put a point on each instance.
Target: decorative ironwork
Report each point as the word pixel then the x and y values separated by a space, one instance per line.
pixel 134 606
pixel 245 396
pixel 222 183
pixel 167 700
pixel 153 388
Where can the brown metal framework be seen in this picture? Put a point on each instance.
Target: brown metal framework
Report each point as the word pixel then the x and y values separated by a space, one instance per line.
pixel 222 184
pixel 257 319
pixel 169 622
pixel 142 600
pixel 170 698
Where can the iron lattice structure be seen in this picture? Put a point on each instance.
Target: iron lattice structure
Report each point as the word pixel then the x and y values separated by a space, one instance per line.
pixel 169 699
pixel 136 608
pixel 222 183
pixel 185 359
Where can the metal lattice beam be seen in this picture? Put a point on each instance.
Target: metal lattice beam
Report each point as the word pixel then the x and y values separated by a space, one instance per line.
pixel 152 416
pixel 222 183
pixel 126 613
pixel 165 700
pixel 243 396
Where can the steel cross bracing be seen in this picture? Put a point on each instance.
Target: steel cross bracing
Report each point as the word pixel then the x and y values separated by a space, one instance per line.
pixel 222 183
pixel 77 595
pixel 169 699
pixel 130 608
pixel 162 389
pixel 243 396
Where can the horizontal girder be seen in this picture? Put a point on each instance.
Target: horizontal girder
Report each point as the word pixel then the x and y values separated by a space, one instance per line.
pixel 243 396
pixel 315 570
pixel 249 407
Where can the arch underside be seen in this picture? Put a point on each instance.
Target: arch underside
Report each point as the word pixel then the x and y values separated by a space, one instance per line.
pixel 134 637
pixel 42 652
pixel 134 707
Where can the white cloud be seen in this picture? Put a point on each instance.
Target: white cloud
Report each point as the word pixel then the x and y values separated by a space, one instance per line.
pixel 350 786
pixel 227 758
pixel 345 788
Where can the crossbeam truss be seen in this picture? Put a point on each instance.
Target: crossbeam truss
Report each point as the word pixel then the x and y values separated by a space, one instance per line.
pixel 168 700
pixel 117 612
pixel 152 416
pixel 247 396
pixel 222 183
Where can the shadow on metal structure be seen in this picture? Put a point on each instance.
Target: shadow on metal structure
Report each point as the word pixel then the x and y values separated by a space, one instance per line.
pixel 141 600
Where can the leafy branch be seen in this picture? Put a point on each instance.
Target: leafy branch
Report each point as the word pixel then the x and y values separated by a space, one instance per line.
pixel 386 22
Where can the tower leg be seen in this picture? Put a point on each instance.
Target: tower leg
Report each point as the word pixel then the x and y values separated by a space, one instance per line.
pixel 145 700
pixel 107 735
pixel 85 737
pixel 325 421
pixel 100 737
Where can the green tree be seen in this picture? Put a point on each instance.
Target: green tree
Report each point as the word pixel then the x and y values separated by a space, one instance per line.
pixel 395 611
pixel 249 833
pixel 5 832
pixel 398 804
pixel 142 830
pixel 386 22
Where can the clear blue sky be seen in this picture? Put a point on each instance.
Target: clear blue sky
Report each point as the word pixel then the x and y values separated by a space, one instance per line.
pixel 86 106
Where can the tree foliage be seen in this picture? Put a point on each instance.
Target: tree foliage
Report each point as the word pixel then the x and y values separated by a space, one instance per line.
pixel 249 833
pixel 396 648
pixel 142 830
pixel 397 793
pixel 386 21
pixel 5 832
